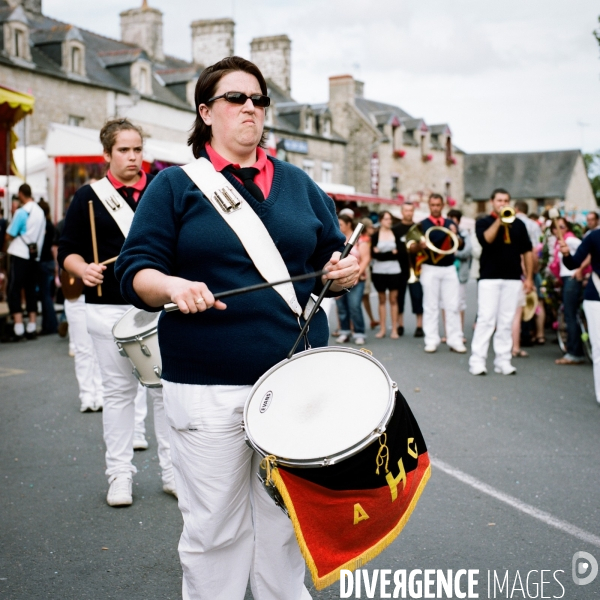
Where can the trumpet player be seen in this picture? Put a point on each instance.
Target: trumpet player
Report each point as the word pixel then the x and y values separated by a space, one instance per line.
pixel 505 248
pixel 440 280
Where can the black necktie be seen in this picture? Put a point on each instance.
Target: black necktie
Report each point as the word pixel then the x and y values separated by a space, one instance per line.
pixel 127 192
pixel 247 175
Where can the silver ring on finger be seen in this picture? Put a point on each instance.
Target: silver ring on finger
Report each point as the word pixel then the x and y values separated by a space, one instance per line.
pixel 201 299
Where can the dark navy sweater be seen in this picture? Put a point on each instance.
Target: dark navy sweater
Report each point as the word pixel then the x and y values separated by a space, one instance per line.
pixel 590 245
pixel 440 240
pixel 177 231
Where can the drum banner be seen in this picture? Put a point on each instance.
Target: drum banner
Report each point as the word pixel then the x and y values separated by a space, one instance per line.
pixel 344 515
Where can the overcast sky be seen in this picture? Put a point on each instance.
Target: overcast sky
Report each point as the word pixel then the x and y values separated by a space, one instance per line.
pixel 516 75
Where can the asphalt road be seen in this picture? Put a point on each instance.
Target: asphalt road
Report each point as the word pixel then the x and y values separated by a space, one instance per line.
pixel 532 439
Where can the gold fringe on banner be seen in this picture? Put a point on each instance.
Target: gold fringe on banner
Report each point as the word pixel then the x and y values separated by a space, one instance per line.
pixel 362 559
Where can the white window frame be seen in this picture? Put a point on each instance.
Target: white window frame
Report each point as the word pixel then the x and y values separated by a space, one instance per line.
pixel 308 166
pixel 326 172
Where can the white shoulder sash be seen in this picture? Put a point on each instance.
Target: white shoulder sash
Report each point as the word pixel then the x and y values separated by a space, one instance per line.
pixel 115 204
pixel 246 224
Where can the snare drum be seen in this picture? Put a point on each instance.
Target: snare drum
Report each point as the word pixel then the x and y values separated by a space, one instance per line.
pixel 320 407
pixel 136 336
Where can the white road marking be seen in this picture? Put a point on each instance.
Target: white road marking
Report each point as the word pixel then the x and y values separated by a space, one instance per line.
pixel 527 509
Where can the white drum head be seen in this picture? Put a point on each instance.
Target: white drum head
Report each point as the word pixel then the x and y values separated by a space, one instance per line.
pixel 135 322
pixel 318 404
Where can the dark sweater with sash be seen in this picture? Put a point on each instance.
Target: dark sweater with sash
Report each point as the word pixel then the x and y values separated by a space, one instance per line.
pixel 76 238
pixel 177 231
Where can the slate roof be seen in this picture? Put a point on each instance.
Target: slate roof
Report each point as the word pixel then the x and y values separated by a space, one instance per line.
pixel 287 114
pixel 523 174
pixel 381 112
pixel 101 53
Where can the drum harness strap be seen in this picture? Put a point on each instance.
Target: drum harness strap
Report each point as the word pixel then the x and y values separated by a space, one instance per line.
pixel 250 230
pixel 114 203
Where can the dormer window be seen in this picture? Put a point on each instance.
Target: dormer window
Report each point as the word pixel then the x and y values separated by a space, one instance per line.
pixel 141 77
pixel 74 61
pixel 308 123
pixel 326 128
pixel 18 41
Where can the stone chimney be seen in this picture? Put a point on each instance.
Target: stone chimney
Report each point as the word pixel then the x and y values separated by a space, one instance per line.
pixel 143 27
pixel 212 40
pixel 344 89
pixel 272 55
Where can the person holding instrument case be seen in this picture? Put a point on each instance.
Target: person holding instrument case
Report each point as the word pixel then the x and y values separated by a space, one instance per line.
pixel 185 245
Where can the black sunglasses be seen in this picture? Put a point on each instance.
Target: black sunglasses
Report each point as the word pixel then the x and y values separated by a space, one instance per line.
pixel 241 98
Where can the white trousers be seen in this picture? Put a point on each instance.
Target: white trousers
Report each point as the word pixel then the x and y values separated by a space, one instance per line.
pixel 592 314
pixel 497 301
pixel 232 530
pixel 441 286
pixel 87 369
pixel 120 390
pixel 141 411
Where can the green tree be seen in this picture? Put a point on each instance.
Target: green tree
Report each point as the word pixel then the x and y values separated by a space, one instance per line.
pixel 592 165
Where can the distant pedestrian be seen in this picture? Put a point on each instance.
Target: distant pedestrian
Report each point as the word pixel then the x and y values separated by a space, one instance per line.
pixel 47 274
pixel 26 235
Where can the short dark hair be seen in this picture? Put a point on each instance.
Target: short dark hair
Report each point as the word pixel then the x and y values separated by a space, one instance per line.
pixel 455 214
pixel 45 207
pixel 205 89
pixel 25 189
pixel 593 212
pixel 521 206
pixel 435 196
pixel 108 133
pixel 347 219
pixel 499 191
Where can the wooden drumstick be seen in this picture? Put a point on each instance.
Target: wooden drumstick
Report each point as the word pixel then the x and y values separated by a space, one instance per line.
pixel 108 261
pixel 554 214
pixel 94 241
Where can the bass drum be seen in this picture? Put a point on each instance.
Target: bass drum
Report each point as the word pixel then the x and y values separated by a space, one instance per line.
pixel 136 336
pixel 320 407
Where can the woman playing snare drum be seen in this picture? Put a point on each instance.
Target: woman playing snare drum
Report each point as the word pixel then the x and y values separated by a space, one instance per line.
pixel 181 250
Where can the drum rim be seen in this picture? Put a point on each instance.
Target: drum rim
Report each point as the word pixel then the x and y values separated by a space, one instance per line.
pixel 133 338
pixel 337 457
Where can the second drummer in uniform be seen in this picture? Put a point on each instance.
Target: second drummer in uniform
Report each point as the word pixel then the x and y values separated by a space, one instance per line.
pixel 122 143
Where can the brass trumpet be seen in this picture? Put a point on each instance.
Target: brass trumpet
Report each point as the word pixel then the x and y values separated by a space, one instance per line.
pixel 507 215
pixel 415 235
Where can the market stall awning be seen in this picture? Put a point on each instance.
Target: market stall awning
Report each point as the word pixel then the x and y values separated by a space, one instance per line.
pixel 72 142
pixel 13 107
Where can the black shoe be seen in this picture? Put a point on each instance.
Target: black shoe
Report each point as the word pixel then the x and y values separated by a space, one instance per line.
pixel 16 338
pixel 31 335
pixel 419 332
pixel 401 330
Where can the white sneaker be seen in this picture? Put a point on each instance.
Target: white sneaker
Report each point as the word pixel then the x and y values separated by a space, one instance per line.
pixel 140 442
pixel 169 488
pixel 359 340
pixel 506 370
pixel 119 492
pixel 459 349
pixel 342 339
pixel 478 370
pixel 431 348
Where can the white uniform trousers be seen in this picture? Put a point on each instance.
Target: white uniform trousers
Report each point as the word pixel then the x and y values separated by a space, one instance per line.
pixel 87 369
pixel 232 530
pixel 141 411
pixel 497 301
pixel 120 390
pixel 441 285
pixel 592 314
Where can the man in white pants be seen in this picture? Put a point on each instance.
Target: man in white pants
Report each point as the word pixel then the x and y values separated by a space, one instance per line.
pixel 591 298
pixel 440 282
pixel 104 304
pixel 505 246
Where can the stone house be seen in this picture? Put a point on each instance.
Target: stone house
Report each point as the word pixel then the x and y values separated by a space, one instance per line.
pixel 542 179
pixel 390 153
